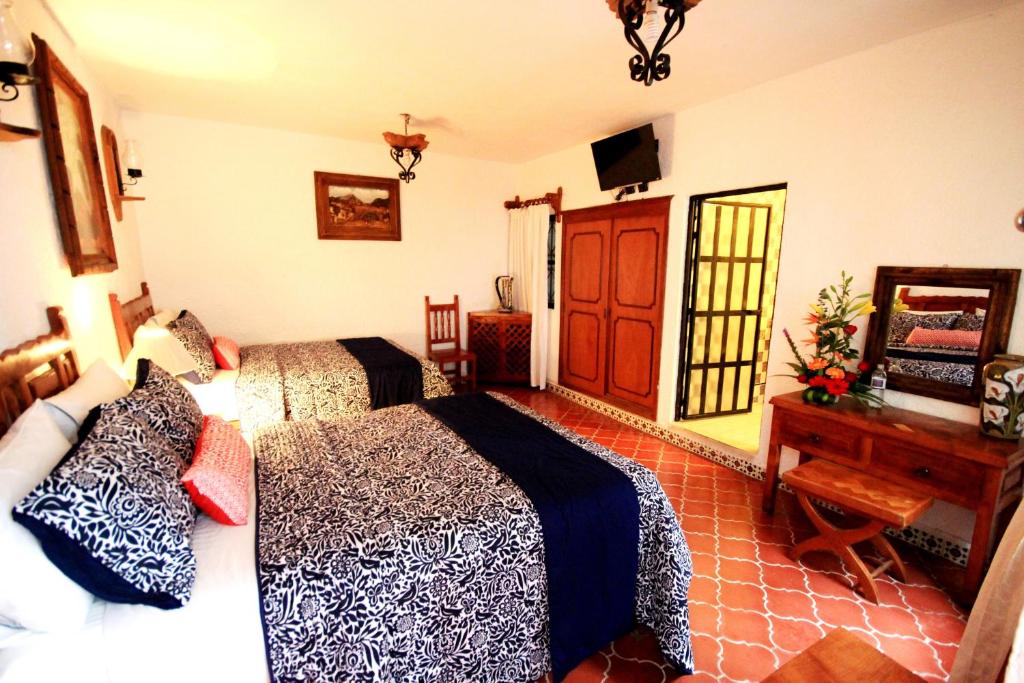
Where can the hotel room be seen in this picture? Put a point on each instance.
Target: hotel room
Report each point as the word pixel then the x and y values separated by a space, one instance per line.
pixel 330 353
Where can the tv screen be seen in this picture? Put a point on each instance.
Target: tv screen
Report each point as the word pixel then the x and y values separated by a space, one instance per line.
pixel 628 158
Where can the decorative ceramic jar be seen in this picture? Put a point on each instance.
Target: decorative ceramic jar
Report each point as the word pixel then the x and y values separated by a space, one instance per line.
pixel 1002 404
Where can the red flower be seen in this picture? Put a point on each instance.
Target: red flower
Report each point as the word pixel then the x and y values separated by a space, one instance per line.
pixel 817 381
pixel 802 379
pixel 850 329
pixel 851 377
pixel 863 366
pixel 836 387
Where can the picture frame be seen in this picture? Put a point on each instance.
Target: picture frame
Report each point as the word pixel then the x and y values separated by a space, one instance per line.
pixel 74 163
pixel 356 207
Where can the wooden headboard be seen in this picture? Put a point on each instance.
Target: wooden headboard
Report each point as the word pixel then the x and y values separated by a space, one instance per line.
pixel 38 368
pixel 967 304
pixel 128 316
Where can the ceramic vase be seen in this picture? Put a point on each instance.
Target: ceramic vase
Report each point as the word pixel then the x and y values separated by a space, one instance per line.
pixel 1002 403
pixel 819 396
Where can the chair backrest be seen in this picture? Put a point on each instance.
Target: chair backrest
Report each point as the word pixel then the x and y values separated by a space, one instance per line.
pixel 442 324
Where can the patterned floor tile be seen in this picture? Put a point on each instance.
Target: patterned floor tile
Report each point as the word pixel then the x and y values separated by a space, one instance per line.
pixel 751 607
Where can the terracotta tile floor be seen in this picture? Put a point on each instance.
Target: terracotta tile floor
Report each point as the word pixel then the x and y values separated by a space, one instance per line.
pixel 751 607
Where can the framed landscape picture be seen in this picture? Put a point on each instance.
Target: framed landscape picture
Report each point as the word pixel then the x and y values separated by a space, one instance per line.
pixel 355 207
pixel 74 162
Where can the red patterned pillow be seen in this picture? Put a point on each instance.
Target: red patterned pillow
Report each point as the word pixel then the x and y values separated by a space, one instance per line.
pixel 225 352
pixel 947 339
pixel 218 479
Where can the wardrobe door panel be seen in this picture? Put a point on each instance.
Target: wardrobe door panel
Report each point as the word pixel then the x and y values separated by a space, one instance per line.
pixel 584 305
pixel 638 246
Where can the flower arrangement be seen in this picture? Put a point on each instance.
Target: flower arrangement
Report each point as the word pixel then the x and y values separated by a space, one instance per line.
pixel 825 372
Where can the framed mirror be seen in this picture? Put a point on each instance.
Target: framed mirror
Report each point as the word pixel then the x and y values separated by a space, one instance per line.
pixel 936 328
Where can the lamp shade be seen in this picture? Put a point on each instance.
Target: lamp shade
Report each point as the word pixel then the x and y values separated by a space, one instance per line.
pixel 16 50
pixel 131 159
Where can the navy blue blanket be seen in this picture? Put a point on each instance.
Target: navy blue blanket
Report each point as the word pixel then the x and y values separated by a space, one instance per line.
pixel 394 376
pixel 588 511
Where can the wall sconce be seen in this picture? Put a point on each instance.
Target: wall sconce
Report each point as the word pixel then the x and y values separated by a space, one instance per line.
pixel 402 144
pixel 1018 220
pixel 16 54
pixel 650 65
pixel 132 164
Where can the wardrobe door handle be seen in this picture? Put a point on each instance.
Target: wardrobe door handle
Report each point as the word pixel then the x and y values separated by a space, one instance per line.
pixel 815 438
pixel 922 472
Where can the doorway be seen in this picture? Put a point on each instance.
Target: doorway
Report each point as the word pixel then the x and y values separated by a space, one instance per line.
pixel 731 272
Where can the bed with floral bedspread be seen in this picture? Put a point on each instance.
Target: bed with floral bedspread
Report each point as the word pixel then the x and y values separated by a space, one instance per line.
pixel 305 380
pixel 388 549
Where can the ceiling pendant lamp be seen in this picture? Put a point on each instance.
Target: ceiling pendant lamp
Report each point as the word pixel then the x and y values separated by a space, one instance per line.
pixel 660 21
pixel 402 145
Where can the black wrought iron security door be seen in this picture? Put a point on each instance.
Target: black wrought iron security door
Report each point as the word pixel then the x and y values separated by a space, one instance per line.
pixel 726 255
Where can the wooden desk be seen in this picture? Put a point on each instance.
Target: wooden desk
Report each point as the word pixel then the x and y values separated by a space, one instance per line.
pixel 948 460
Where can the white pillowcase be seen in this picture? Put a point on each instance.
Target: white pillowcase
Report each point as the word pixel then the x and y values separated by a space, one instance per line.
pixel 162 317
pixel 155 342
pixel 34 594
pixel 99 384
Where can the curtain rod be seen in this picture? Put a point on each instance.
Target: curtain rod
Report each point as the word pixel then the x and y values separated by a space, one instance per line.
pixel 552 198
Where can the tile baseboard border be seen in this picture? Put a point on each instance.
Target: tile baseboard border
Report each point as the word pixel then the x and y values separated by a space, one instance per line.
pixel 954 550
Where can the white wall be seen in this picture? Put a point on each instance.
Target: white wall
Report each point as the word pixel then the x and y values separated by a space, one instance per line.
pixel 911 153
pixel 34 272
pixel 230 232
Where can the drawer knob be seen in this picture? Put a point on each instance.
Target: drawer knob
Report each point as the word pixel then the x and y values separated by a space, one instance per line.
pixel 922 472
pixel 815 438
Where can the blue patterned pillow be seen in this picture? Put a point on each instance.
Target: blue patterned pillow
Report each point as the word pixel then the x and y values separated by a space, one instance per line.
pixel 113 516
pixel 164 404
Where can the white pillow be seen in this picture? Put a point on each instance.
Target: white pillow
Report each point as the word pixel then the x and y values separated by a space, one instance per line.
pixel 162 317
pixel 155 342
pixel 99 384
pixel 34 594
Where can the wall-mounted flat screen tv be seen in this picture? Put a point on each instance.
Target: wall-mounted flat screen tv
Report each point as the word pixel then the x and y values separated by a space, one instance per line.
pixel 629 158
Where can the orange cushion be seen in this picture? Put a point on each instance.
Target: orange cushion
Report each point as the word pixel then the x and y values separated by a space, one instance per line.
pixel 225 352
pixel 218 479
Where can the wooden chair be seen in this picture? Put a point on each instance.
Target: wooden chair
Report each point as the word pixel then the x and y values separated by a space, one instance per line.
pixel 442 329
pixel 883 503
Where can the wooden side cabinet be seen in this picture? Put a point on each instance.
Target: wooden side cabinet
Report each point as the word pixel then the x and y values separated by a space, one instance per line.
pixel 501 342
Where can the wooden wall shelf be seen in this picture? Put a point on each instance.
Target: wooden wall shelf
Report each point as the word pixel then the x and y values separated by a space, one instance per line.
pixel 9 133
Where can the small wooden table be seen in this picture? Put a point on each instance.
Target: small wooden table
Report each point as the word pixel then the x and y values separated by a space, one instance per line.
pixel 841 657
pixel 501 342
pixel 930 455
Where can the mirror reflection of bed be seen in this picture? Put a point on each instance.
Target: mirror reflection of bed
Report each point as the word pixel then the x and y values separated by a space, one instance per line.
pixel 935 332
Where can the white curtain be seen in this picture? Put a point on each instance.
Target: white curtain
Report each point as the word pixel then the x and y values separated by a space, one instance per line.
pixel 528 266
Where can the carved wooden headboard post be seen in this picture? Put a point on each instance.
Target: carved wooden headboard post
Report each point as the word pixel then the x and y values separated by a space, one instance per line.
pixel 128 316
pixel 24 376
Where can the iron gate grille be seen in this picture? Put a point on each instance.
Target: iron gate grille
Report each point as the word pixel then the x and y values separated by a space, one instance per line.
pixel 726 253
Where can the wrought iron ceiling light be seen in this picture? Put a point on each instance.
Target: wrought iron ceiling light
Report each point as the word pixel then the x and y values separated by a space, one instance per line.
pixel 413 145
pixel 16 54
pixel 650 65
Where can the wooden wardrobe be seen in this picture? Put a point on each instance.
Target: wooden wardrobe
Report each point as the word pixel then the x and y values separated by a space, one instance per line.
pixel 613 296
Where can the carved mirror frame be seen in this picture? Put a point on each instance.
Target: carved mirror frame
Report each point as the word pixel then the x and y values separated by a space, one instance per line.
pixel 1002 287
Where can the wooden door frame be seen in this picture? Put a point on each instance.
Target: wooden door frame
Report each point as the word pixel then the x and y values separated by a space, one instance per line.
pixel 683 369
pixel 636 208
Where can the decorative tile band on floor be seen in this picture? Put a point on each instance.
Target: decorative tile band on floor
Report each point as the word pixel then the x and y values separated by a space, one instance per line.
pixel 951 549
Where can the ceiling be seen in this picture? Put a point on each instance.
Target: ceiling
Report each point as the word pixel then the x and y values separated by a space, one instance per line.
pixel 509 81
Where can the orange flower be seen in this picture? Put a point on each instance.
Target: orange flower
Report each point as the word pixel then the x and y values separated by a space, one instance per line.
pixel 817 364
pixel 812 340
pixel 836 373
pixel 812 319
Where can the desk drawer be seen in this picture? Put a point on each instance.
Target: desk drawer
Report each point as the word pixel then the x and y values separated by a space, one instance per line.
pixel 953 479
pixel 821 438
